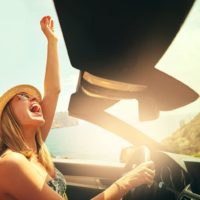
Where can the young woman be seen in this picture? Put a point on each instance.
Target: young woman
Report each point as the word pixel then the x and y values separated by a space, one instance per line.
pixel 26 168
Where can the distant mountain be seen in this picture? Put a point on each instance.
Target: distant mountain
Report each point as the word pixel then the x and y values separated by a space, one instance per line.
pixel 62 119
pixel 186 139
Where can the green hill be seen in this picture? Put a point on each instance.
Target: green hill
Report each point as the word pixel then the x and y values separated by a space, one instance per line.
pixel 186 139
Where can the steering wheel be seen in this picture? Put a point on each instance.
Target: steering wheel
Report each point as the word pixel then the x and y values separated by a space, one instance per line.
pixel 134 156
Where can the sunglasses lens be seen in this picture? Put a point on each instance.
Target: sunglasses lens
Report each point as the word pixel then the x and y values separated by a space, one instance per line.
pixel 25 96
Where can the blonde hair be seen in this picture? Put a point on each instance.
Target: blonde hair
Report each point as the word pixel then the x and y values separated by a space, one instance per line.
pixel 12 138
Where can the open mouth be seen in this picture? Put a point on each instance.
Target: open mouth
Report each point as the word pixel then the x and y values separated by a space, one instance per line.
pixel 35 108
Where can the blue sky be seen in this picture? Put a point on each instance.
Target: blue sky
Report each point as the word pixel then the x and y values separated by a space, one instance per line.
pixel 23 47
pixel 23 56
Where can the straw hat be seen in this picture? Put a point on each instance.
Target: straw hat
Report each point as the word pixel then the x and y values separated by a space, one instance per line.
pixel 9 94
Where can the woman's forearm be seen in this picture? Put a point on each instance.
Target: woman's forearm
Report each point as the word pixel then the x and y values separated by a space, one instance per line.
pixel 113 192
pixel 52 74
pixel 142 174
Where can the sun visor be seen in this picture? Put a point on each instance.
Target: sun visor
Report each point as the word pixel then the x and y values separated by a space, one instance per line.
pixel 160 93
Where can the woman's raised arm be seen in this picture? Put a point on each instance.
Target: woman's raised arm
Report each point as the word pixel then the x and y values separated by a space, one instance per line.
pixel 52 75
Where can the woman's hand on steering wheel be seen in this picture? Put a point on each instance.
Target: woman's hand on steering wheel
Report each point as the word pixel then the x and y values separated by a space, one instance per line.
pixel 142 174
pixel 139 169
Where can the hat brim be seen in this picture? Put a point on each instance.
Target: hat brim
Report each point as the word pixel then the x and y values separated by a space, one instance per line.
pixel 9 94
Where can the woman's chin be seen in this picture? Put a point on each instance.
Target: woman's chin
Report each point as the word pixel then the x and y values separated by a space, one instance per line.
pixel 42 122
pixel 38 121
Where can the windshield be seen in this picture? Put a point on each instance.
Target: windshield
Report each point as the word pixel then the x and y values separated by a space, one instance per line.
pixel 23 54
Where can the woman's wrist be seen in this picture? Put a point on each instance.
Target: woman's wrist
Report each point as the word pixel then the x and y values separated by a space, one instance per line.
pixel 52 41
pixel 121 190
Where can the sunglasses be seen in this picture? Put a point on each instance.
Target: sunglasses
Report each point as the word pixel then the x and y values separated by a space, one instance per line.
pixel 25 97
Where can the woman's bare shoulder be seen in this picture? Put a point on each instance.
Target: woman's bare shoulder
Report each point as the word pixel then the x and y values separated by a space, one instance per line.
pixel 19 179
pixel 11 165
pixel 11 161
pixel 11 157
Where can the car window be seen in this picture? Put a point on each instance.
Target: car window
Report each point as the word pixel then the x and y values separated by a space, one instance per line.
pixel 23 57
